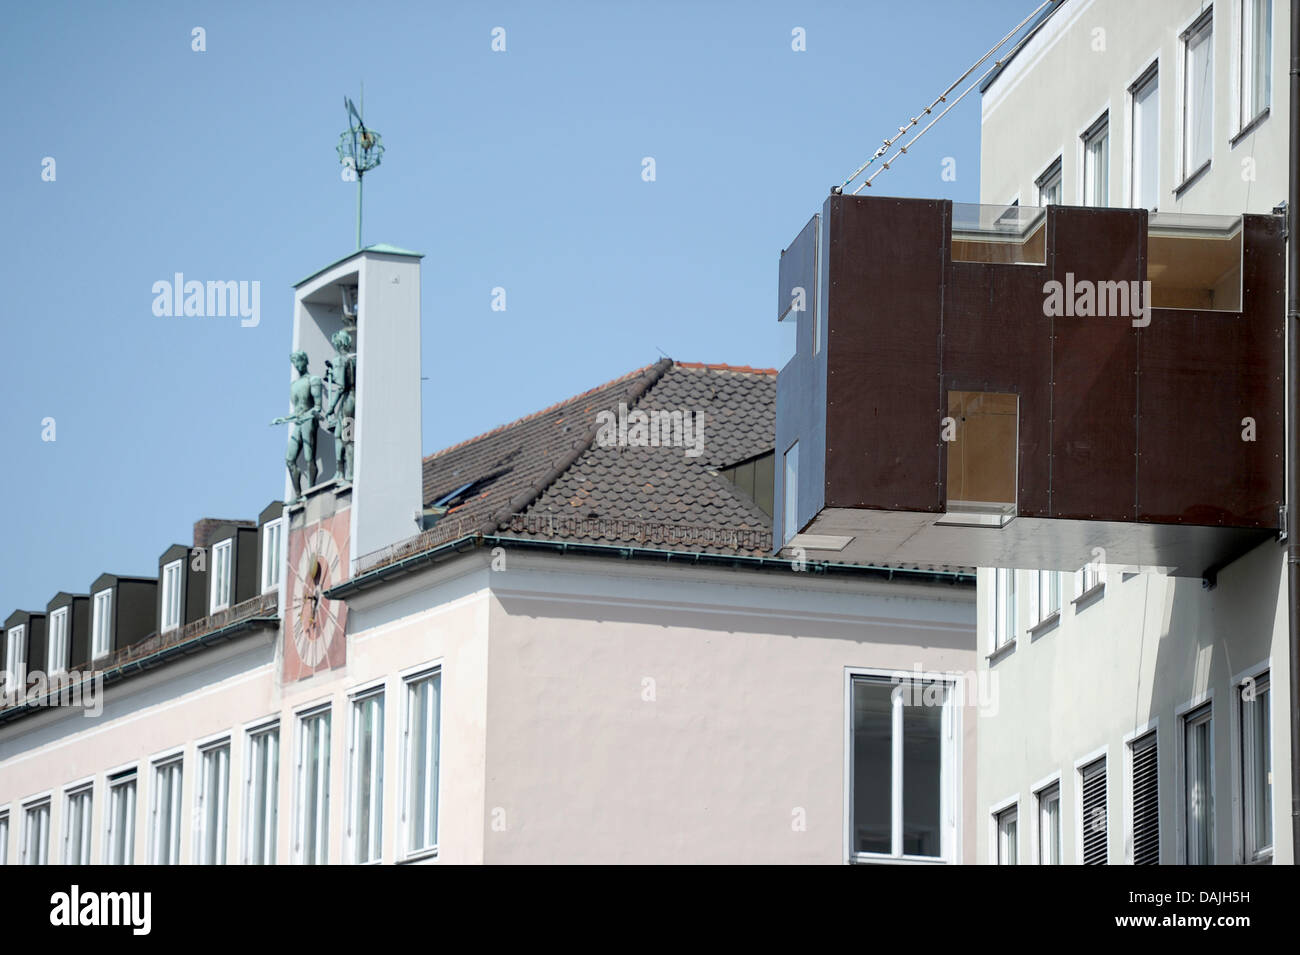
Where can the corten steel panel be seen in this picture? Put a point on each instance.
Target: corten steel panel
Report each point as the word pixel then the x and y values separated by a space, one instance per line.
pixel 1202 373
pixel 996 339
pixel 888 258
pixel 1094 367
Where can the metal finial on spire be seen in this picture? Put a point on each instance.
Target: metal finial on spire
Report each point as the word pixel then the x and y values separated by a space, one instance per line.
pixel 360 150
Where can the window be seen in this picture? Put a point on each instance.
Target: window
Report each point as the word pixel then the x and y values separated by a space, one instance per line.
pixel 36 833
pixel 220 577
pixel 1088 579
pixel 1049 825
pixel 1256 59
pixel 1004 607
pixel 420 763
pixel 1198 793
pixel 313 799
pixel 76 827
pixel 261 793
pixel 900 769
pixel 1146 801
pixel 1096 163
pixel 1144 167
pixel 121 818
pixel 790 525
pixel 1008 851
pixel 366 778
pixel 171 596
pixel 165 821
pixel 1049 185
pixel 1045 599
pixel 214 803
pixel 1256 768
pixel 16 659
pixel 4 838
pixel 102 626
pixel 1198 94
pixel 272 553
pixel 1093 819
pixel 57 655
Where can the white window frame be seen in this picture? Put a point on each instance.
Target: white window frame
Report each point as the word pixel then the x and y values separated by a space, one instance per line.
pixel 1003 625
pixel 1044 598
pixel 16 658
pixel 1137 147
pixel 1188 165
pixel 321 822
pixel 213 812
pixel 222 557
pixel 1089 580
pixel 1082 766
pixel 1002 814
pixel 1090 194
pixel 32 813
pixel 165 847
pixel 59 632
pixel 101 630
pixel 1053 173
pixel 1253 684
pixel 949 773
pixel 172 592
pixel 123 783
pixel 78 822
pixel 253 775
pixel 1189 716
pixel 4 836
pixel 272 564
pixel 1249 63
pixel 406 851
pixel 1141 738
pixel 374 772
pixel 1045 792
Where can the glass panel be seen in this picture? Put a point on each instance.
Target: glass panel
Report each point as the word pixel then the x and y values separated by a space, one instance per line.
pixel 1146 143
pixel 1199 809
pixel 1198 119
pixel 922 772
pixel 873 734
pixel 1008 235
pixel 1260 789
pixel 1096 166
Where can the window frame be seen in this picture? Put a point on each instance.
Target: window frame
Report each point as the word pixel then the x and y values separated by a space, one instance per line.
pixel 1189 166
pixel 101 627
pixel 1189 717
pixel 171 595
pixel 1004 610
pixel 321 822
pixel 1136 146
pixel 84 790
pixel 207 751
pixel 273 565
pixel 1248 63
pixel 1042 612
pixel 34 805
pixel 1000 815
pixel 357 700
pixel 405 851
pixel 175 818
pixel 218 601
pixel 16 648
pixel 120 779
pixel 1048 790
pixel 270 811
pixel 4 835
pixel 950 805
pixel 1260 681
pixel 1099 128
pixel 1055 170
pixel 57 662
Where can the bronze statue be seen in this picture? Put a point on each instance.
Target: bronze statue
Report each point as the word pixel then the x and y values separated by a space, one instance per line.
pixel 306 400
pixel 341 377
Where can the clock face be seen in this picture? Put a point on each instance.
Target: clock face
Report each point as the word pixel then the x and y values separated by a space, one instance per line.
pixel 314 621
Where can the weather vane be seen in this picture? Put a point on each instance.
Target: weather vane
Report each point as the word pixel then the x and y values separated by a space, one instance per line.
pixel 360 150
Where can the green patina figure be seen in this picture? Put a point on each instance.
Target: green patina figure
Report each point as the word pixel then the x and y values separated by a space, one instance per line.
pixel 341 378
pixel 306 400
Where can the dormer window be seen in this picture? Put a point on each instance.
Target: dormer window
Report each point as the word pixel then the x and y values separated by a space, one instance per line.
pixel 16 658
pixel 57 658
pixel 171 597
pixel 221 560
pixel 272 554
pixel 101 639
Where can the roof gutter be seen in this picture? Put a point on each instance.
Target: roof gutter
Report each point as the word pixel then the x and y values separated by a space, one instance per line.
pixel 417 562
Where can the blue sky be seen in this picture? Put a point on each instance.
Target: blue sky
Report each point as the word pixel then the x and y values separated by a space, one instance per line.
pixel 519 169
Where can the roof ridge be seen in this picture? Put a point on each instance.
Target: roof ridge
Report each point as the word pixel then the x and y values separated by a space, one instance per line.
pixel 537 414
pixel 743 369
pixel 651 374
